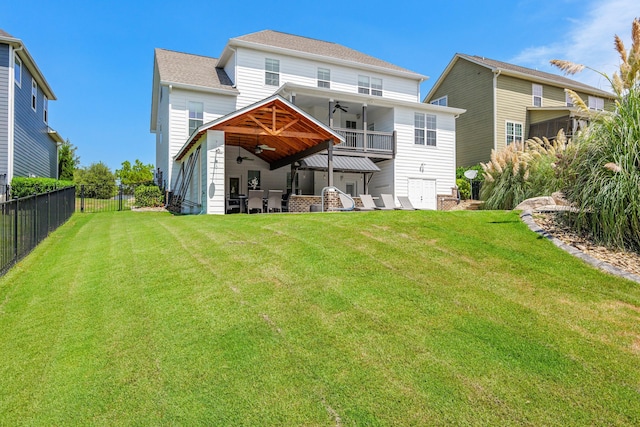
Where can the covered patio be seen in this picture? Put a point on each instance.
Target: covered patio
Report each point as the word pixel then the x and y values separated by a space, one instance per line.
pixel 259 147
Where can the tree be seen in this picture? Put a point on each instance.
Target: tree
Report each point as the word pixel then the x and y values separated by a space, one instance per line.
pixel 137 174
pixel 68 161
pixel 99 181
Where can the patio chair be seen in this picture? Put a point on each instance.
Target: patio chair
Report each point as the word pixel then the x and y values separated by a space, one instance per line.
pixel 367 202
pixel 231 207
pixel 388 201
pixel 274 202
pixel 348 204
pixel 255 200
pixel 406 203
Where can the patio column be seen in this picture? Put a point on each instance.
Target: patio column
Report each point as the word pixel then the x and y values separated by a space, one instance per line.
pixel 330 163
pixel 364 127
pixel 331 113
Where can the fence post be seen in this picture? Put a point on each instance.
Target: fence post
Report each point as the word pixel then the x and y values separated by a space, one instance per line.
pixel 82 198
pixel 120 199
pixel 15 231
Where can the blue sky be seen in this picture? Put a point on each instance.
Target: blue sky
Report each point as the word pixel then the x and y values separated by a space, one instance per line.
pixel 98 55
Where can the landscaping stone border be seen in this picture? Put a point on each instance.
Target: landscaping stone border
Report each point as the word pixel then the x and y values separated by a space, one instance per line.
pixel 527 218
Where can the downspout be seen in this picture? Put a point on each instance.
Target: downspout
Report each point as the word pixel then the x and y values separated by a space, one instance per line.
pixel 496 73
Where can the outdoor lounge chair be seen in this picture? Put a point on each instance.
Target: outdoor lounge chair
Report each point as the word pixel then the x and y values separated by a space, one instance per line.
pixel 274 202
pixel 368 203
pixel 406 203
pixel 348 204
pixel 389 202
pixel 255 200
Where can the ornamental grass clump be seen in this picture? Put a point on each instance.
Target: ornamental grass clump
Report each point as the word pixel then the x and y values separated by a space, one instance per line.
pixel 521 171
pixel 603 178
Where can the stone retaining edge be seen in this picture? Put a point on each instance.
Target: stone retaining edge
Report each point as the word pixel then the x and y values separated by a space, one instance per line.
pixel 527 218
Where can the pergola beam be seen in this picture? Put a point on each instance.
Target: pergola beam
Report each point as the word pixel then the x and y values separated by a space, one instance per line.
pixel 299 155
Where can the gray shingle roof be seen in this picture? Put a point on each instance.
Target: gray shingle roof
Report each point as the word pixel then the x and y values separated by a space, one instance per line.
pixel 560 80
pixel 5 34
pixel 185 68
pixel 317 47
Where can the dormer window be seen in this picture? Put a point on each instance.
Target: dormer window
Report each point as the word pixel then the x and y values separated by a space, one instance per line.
pixel 272 72
pixel 17 70
pixel 324 77
pixel 34 94
pixel 536 90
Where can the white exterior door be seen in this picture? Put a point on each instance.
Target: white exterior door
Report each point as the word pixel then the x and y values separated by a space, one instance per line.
pixel 422 193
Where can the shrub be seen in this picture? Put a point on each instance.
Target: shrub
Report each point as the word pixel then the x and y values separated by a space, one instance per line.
pixel 462 169
pixel 464 187
pixel 22 186
pixel 521 171
pixel 99 181
pixel 148 196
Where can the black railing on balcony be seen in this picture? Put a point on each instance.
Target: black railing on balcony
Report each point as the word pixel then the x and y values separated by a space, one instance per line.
pixel 372 142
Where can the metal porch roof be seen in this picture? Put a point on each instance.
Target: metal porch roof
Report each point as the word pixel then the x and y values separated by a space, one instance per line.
pixel 340 163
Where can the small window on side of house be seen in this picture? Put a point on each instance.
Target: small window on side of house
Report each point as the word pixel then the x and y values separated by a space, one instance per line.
pixel 45 109
pixel 442 101
pixel 34 94
pixel 196 116
pixel 376 86
pixel 324 77
pixel 418 125
pixel 17 70
pixel 272 72
pixel 431 130
pixel 536 91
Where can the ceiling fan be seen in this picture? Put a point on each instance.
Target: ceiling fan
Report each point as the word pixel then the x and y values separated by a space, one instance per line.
pixel 263 147
pixel 337 106
pixel 240 158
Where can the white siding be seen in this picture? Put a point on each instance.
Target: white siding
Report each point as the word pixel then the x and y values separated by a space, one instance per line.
pixel 214 185
pixel 382 182
pixel 421 161
pixel 214 105
pixel 251 77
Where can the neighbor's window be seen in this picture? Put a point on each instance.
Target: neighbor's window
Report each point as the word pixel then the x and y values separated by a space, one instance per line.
pixel 536 90
pixel 45 109
pixel 17 70
pixel 596 103
pixel 443 101
pixel 195 116
pixel 425 129
pixel 568 99
pixel 324 78
pixel 272 72
pixel 34 94
pixel 514 132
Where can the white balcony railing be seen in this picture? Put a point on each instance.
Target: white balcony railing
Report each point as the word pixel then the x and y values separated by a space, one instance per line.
pixel 370 141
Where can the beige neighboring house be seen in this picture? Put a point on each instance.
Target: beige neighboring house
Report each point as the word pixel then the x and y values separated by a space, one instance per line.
pixel 506 103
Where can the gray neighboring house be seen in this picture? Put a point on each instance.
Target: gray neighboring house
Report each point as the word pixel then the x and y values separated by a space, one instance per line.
pixel 28 146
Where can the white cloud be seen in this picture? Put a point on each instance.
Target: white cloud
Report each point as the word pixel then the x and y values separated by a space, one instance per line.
pixel 588 41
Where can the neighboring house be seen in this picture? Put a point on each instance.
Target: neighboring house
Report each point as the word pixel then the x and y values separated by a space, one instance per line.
pixel 284 112
pixel 28 146
pixel 507 103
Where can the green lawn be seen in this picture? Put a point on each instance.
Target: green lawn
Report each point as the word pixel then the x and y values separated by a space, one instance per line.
pixel 376 318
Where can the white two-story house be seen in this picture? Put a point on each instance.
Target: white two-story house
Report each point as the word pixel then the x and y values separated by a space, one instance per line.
pixel 279 111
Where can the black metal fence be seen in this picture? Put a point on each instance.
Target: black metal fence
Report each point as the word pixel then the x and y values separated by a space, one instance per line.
pixel 25 222
pixel 90 199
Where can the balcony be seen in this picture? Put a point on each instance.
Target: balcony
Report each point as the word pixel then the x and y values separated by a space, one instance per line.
pixel 367 143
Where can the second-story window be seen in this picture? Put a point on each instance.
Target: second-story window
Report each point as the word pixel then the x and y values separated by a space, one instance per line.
pixel 45 109
pixel 425 129
pixel 363 85
pixel 568 99
pixel 371 85
pixel 324 78
pixel 272 72
pixel 536 90
pixel 596 103
pixel 17 70
pixel 195 116
pixel 34 94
